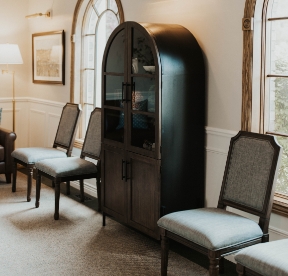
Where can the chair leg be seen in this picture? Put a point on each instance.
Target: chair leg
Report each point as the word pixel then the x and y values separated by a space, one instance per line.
pixel 240 270
pixel 8 177
pixel 29 184
pixel 14 176
pixel 221 266
pixel 53 184
pixel 38 189
pixel 164 254
pixel 57 197
pixel 98 186
pixel 68 188
pixel 82 198
pixel 213 264
pixel 103 219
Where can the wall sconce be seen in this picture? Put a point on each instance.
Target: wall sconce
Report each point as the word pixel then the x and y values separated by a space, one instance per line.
pixel 47 14
pixel 10 54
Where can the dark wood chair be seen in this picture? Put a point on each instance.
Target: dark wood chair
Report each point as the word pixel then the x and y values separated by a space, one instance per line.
pixel 64 139
pixel 248 185
pixel 269 258
pixel 74 168
pixel 7 144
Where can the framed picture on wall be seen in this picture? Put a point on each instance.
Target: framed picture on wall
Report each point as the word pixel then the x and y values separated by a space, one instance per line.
pixel 48 57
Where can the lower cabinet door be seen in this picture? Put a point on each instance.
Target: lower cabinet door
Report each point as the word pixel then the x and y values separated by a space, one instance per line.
pixel 143 193
pixel 114 187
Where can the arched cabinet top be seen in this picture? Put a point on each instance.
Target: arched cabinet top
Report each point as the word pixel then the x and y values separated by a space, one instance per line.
pixel 175 48
pixel 178 49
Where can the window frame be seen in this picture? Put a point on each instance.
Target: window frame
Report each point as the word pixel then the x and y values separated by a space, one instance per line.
pixel 254 78
pixel 77 68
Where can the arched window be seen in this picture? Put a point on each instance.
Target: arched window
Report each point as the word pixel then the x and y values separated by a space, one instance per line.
pixel 94 21
pixel 265 79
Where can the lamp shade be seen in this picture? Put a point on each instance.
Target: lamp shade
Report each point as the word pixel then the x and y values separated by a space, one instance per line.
pixel 10 54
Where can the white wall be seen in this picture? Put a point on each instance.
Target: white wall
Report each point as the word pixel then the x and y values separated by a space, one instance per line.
pixel 62 15
pixel 217 25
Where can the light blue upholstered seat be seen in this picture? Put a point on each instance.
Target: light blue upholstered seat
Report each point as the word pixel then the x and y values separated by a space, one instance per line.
pixel 33 155
pixel 268 259
pixel 62 146
pixel 212 228
pixel 63 167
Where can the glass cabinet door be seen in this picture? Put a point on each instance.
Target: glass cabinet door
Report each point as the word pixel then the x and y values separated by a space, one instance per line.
pixel 142 106
pixel 116 54
pixel 113 81
pixel 142 56
pixel 129 83
pixel 143 113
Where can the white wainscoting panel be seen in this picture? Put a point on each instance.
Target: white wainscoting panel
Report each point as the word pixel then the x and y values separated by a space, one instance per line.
pixel 53 122
pixel 6 118
pixel 45 126
pixel 37 128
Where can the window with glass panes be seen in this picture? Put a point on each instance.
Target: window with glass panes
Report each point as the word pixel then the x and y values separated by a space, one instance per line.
pixel 276 83
pixel 100 19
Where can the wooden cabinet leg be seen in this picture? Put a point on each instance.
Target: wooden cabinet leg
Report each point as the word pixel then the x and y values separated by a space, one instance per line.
pixel 98 185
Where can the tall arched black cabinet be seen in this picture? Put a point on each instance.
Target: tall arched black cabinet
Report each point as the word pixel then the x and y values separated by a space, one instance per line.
pixel 153 116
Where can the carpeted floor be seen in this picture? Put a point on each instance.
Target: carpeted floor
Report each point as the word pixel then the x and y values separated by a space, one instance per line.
pixel 33 243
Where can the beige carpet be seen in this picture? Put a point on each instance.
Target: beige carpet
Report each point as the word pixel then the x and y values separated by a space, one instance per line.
pixel 33 243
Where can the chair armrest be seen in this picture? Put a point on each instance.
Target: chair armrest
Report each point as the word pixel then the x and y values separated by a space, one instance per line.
pixel 7 140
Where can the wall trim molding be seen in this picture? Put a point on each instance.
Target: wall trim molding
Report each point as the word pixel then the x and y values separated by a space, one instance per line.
pixel 221 132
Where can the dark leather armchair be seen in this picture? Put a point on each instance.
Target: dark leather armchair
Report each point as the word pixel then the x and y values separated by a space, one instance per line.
pixel 7 144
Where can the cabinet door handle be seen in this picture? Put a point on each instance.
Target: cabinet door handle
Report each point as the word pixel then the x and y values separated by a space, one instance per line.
pixel 123 84
pixel 126 178
pixel 123 164
pixel 124 95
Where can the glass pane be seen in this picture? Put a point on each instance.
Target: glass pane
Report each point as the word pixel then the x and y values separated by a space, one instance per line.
pixel 114 125
pixel 107 24
pixel 141 54
pixel 143 91
pixel 89 86
pixel 88 108
pixel 89 50
pixel 91 21
pixel 100 6
pixel 143 131
pixel 282 181
pixel 278 105
pixel 113 6
pixel 116 54
pixel 279 47
pixel 280 8
pixel 113 90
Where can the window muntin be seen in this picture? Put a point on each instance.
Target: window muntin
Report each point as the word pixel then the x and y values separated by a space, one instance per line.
pixel 100 19
pixel 276 83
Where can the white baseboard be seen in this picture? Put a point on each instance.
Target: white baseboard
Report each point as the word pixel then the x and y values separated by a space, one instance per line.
pixel 88 187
